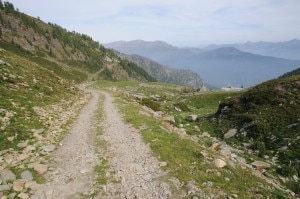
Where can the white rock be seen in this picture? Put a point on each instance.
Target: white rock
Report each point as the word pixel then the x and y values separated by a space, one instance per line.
pixel 192 117
pixel 27 176
pixel 22 144
pixel 40 168
pixel 230 133
pixel 49 148
pixel 39 131
pixel 84 170
pixel 5 188
pixel 32 185
pixel 219 163
pixel 18 185
pixel 23 196
pixel 7 175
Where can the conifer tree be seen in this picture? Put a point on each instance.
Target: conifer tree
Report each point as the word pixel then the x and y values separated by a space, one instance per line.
pixel 1 5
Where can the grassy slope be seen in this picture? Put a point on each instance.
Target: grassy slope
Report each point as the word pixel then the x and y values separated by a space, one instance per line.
pixel 268 114
pixel 25 84
pixel 184 157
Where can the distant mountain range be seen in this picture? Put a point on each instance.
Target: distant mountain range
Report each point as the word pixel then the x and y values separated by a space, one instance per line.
pixel 166 74
pixel 217 65
pixel 287 50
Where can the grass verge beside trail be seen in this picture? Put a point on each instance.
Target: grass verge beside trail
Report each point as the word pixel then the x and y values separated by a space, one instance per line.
pixel 186 162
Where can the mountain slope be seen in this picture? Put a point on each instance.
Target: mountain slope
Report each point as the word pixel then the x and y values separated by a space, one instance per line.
pixel 267 121
pixel 291 73
pixel 219 67
pixel 55 45
pixel 166 74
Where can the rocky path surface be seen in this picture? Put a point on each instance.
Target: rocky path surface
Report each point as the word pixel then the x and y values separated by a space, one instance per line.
pixel 138 173
pixel 133 171
pixel 73 163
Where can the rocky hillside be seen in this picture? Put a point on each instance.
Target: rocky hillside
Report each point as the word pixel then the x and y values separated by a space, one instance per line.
pixel 52 43
pixel 267 123
pixel 167 74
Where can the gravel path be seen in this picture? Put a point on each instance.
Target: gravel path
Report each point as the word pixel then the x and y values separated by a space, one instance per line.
pixel 74 161
pixel 133 172
pixel 131 161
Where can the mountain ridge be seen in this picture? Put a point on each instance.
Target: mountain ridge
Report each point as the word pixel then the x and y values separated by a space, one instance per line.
pixel 167 74
pixel 218 67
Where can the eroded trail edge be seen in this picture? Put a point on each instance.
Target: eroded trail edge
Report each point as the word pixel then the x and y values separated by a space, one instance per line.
pixel 136 172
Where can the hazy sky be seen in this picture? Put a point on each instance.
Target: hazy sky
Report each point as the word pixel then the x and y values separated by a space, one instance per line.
pixel 179 22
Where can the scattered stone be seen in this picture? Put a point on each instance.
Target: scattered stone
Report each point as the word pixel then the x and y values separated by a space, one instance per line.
pixel 3 152
pixel 5 188
pixel 23 196
pixel 22 157
pixel 214 146
pixel 205 134
pixel 12 195
pixel 192 117
pixel 180 125
pixel 170 119
pixel 260 165
pixel 225 151
pixel 219 163
pixel 49 148
pixel 39 131
pixel 40 168
pixel 177 109
pixel 208 184
pixel 295 178
pixel 27 176
pixel 22 144
pixel 240 160
pixel 18 185
pixel 163 164
pixel 2 62
pixel 7 175
pixel 195 138
pixel 84 170
pixel 32 185
pixel 230 133
pixel 191 188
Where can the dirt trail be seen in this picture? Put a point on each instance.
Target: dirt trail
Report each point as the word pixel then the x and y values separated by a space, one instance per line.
pixel 74 161
pixel 136 173
pixel 131 161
